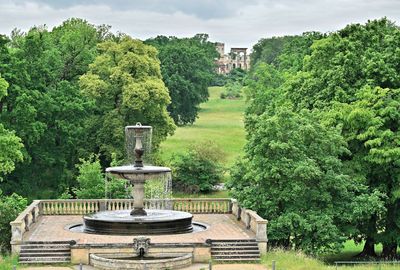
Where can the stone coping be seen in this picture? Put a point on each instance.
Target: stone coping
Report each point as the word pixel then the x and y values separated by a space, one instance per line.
pixel 129 245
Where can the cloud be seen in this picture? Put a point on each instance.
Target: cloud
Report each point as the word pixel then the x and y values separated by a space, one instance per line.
pixel 237 23
pixel 203 9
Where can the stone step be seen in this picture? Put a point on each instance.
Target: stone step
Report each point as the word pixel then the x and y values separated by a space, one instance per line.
pixel 235 245
pixel 233 240
pixel 44 259
pixel 48 242
pixel 34 246
pixel 228 252
pixel 241 256
pixel 238 260
pixel 44 254
pixel 234 248
pixel 37 250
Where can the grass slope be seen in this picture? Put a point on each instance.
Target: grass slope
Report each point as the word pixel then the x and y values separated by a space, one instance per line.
pixel 291 260
pixel 220 120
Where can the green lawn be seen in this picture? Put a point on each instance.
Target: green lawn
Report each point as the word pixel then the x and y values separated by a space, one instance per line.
pixel 220 120
pixel 291 260
pixel 7 262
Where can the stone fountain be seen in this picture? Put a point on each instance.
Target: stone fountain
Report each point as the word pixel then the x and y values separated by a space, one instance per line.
pixel 138 220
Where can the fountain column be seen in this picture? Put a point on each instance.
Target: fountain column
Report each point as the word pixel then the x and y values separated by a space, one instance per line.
pixel 138 196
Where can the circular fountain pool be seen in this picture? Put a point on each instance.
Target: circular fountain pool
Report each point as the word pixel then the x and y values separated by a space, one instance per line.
pixel 121 222
pixel 80 228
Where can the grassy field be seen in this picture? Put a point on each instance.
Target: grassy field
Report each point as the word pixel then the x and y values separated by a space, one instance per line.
pixel 220 120
pixel 7 262
pixel 291 260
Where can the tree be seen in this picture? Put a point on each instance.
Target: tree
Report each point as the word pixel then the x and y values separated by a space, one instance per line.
pixel 199 169
pixel 44 106
pixel 124 82
pixel 10 144
pixel 10 153
pixel 188 68
pixel 370 125
pixel 348 80
pixel 293 176
pixel 359 66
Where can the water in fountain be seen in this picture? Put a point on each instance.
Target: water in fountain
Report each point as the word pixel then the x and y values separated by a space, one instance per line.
pixel 140 220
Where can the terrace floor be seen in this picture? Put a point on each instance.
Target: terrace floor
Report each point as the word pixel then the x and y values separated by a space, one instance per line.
pixel 220 226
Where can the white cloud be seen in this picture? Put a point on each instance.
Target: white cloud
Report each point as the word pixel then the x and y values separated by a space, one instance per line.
pixel 235 22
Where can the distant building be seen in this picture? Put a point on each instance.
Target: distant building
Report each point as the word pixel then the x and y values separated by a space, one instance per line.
pixel 237 58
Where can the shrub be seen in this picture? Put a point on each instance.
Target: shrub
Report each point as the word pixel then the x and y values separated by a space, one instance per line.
pixel 93 183
pixel 232 90
pixel 199 169
pixel 10 207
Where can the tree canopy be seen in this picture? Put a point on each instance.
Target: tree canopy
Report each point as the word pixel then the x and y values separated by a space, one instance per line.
pixel 187 67
pixel 348 81
pixel 124 81
pixel 59 117
pixel 10 144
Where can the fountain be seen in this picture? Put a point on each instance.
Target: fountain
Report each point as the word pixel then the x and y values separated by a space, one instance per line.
pixel 138 220
pixel 140 259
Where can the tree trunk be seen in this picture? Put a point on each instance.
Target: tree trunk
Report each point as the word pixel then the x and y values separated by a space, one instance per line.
pixel 369 248
pixel 389 250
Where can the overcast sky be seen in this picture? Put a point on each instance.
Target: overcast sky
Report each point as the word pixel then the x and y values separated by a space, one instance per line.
pixel 237 23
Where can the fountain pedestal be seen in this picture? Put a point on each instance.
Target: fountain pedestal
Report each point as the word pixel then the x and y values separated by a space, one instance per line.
pixel 138 220
pixel 138 194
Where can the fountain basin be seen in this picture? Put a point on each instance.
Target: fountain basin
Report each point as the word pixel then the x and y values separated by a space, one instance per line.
pixel 133 173
pixel 120 222
pixel 122 261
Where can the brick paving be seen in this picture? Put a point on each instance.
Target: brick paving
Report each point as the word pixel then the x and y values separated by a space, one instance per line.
pixel 221 226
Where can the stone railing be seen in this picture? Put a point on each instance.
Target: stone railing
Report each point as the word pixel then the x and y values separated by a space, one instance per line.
pixel 23 223
pixel 203 206
pixel 253 222
pixel 86 206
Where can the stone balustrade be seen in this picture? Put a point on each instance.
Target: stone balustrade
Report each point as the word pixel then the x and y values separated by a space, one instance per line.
pixel 253 222
pixel 203 206
pixel 86 206
pixel 23 223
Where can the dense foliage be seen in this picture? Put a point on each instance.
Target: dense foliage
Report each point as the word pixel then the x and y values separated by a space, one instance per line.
pixel 349 81
pixel 93 184
pixel 70 92
pixel 10 207
pixel 187 67
pixel 10 144
pixel 124 81
pixel 199 169
pixel 234 81
pixel 294 177
pixel 44 105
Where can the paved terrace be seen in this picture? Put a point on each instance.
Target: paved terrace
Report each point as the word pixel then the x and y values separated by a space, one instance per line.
pixel 55 228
